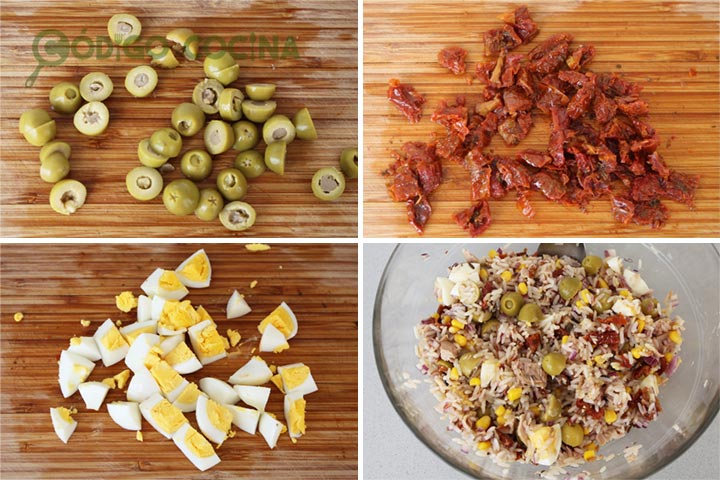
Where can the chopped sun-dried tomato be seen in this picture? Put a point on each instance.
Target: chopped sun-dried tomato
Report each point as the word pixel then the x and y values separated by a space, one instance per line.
pixel 618 320
pixel 419 211
pixel 475 219
pixel 452 117
pixel 453 58
pixel 406 99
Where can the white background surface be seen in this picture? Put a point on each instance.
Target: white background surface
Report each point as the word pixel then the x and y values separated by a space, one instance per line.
pixel 391 451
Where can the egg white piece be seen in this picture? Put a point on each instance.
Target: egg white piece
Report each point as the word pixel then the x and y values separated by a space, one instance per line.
pixel 150 285
pixel 270 428
pixel 63 428
pixel 138 351
pixel 86 347
pixel 202 414
pixel 306 387
pixel 147 406
pixel 142 386
pixel 156 308
pixel 134 330
pixel 195 339
pixel 144 309
pixel 254 396
pixel 110 357
pixel 246 419
pixel 73 369
pixel 125 414
pixel 273 340
pixel 188 404
pixel 237 306
pixel 93 393
pixel 185 277
pixel 287 321
pixel 170 342
pixel 636 283
pixel 201 463
pixel 254 372
pixel 190 365
pixel 288 409
pixel 218 390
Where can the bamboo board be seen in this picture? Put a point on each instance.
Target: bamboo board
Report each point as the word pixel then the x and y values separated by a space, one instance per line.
pixel 57 285
pixel 653 43
pixel 323 77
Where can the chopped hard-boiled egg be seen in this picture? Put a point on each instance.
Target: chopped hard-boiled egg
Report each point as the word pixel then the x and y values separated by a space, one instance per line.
pixel 254 372
pixel 175 316
pixel 168 343
pixel 195 447
pixel 122 378
pixel 270 428
pixel 170 382
pixel 233 336
pixel 246 419
pixel 142 386
pixel 297 379
pixel 93 393
pixel 615 264
pixel 162 415
pixel 273 340
pixel 488 371
pixel 443 289
pixel 139 350
pixel 111 343
pixel 187 401
pixel 237 306
pixel 218 390
pixel 283 319
pixel 125 414
pixel 257 247
pixel 253 395
pixel 544 444
pixel 73 369
pixel 294 406
pixel 18 316
pixel 182 359
pixel 207 342
pixel 126 301
pixel 213 419
pixel 195 271
pixel 132 331
pixel 165 284
pixel 277 381
pixel 627 307
pixel 144 309
pixel 63 423
pixel 86 347
pixel 636 283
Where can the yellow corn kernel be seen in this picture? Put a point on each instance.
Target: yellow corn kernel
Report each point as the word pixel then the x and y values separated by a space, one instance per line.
pixel 602 283
pixel 522 265
pixel 675 337
pixel 446 320
pixel 514 394
pixel 592 446
pixel 668 357
pixel 641 325
pixel 492 253
pixel 474 381
pixel 457 324
pixel 637 352
pixel 454 374
pixel 484 275
pixel 565 339
pixel 589 455
pixel 452 330
pixel 586 430
pixel 624 293
pixel 435 316
pixel 600 360
pixel 506 275
pixel 628 389
pixel 483 445
pixel 610 416
pixel 522 288
pixel 535 409
pixel 579 304
pixel 483 422
pixel 460 339
pixel 500 411
pixel 585 295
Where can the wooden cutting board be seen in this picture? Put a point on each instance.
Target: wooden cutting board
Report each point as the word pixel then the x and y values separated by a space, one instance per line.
pixel 322 77
pixel 57 285
pixel 656 44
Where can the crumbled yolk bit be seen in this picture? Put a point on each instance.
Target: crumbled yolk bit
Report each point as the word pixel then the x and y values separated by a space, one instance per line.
pixel 565 339
pixel 109 381
pixel 85 323
pixel 610 416
pixel 18 316
pixel 585 295
pixel 675 337
pixel 257 247
pixel 514 394
pixel 640 325
pixel 522 288
pixel 483 446
pixel 122 378
pixel 483 422
pixel 273 368
pixel 126 301
pixel 589 455
pixel 253 284
pixel 234 337
pixel 474 382
pixel 579 304
pixel 454 375
pixel 118 323
pixel 460 339
pixel 506 275
pixel 457 324
pixel 139 436
pixel 625 293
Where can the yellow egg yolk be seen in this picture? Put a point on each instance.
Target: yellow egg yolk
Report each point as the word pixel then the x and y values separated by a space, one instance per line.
pixel 122 378
pixel 81 370
pixel 169 281
pixel 153 357
pixel 167 416
pixel 296 422
pixel 204 315
pixel 281 348
pixel 167 378
pixel 277 380
pixel 257 247
pixel 179 354
pixel 189 395
pixel 293 377
pixel 210 342
pixel 126 301
pixel 234 336
pixel 198 444
pixel 219 416
pixel 65 414
pixel 139 436
pixel 178 315
pixel 280 319
pixel 131 336
pixel 113 339
pixel 75 341
pixel 109 381
pixel 197 269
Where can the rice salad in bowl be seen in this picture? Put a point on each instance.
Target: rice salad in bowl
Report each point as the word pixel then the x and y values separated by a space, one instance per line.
pixel 544 359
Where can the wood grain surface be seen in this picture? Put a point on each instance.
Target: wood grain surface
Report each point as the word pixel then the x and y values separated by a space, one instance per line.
pixel 322 78
pixel 653 43
pixel 57 285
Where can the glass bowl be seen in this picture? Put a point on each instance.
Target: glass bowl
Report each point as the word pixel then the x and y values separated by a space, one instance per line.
pixel 690 399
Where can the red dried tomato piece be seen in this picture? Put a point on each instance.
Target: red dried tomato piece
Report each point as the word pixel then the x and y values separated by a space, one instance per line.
pixel 525 27
pixel 580 56
pixel 453 58
pixel 452 117
pixel 475 219
pixel 500 40
pixel 681 187
pixel 514 129
pixel 623 209
pixel 516 100
pixel 523 203
pixel 514 174
pixel 406 99
pixel 480 183
pixel 618 320
pixel 550 55
pixel 419 211
pixel 549 185
pixel 532 342
pixel 652 213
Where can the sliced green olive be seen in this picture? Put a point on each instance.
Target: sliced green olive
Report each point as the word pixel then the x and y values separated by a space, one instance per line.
pixel 602 303
pixel 166 142
pixel 67 196
pixel 96 87
pixel 511 303
pixel 553 363
pixel 181 197
pixel 489 326
pixel 569 287
pixel 572 435
pixel 553 409
pixel 250 163
pixel 278 128
pixel 648 306
pixel 246 135
pixel 349 162
pixel 237 216
pixel 65 98
pixel 592 264
pixel 184 40
pixel 222 67
pixel 210 204
pixel 219 137
pixel 275 157
pixel 530 313
pixel 92 119
pixel 37 127
pixel 304 125
pixel 124 29
pixel 144 183
pixel 188 119
pixel 55 146
pixel 231 183
pixel 54 167
pixel 230 104
pixel 469 362
pixel 206 95
pixel 141 81
pixel 163 57
pixel 260 91
pixel 196 165
pixel 328 183
pixel 148 156
pixel 258 111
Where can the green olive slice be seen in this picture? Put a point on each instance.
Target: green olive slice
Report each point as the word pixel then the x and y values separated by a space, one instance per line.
pixel 92 119
pixel 37 127
pixel 222 67
pixel 278 128
pixel 258 111
pixel 67 196
pixel 231 183
pixel 96 87
pixel 230 104
pixel 148 156
pixel 163 57
pixel 304 125
pixel 237 216
pixel 141 81
pixel 210 204
pixel 181 197
pixel 328 183
pixel 124 29
pixel 206 95
pixel 219 137
pixel 275 157
pixel 144 183
pixel 166 142
pixel 246 135
pixel 260 91
pixel 55 146
pixel 196 165
pixel 250 163
pixel 188 119
pixel 54 167
pixel 65 98
pixel 184 40
pixel 349 162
